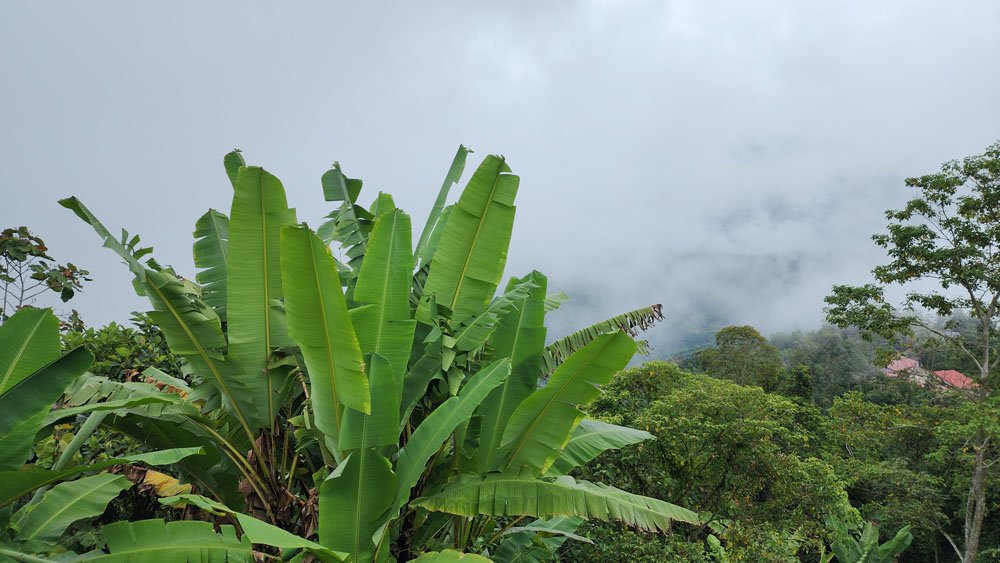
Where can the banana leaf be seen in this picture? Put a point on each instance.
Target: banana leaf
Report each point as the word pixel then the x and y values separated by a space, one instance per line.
pixel 354 502
pixel 87 497
pixel 23 407
pixel 211 254
pixel 471 254
pixel 500 494
pixel 435 429
pixel 452 177
pixel 520 336
pixel 28 341
pixel 590 439
pixel 542 424
pixel 255 325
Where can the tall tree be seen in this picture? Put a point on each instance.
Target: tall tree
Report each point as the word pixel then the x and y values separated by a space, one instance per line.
pixel 943 247
pixel 743 355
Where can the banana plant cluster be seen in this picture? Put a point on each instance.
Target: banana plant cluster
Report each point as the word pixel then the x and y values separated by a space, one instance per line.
pixel 382 397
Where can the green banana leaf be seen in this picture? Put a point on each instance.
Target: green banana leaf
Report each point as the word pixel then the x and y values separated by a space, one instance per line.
pixel 472 334
pixel 520 335
pixel 381 427
pixel 321 325
pixel 890 549
pixel 232 162
pixel 631 322
pixel 87 497
pixel 23 407
pixel 350 223
pixel 555 300
pixel 499 494
pixel 254 325
pixel 435 429
pixel 257 531
pixel 542 424
pixel 211 254
pixel 520 544
pixel 452 177
pixel 156 541
pixel 116 405
pixel 590 439
pixel 28 341
pixel 384 324
pixel 450 556
pixel 354 502
pixel 471 254
pixel 192 329
pixel 15 484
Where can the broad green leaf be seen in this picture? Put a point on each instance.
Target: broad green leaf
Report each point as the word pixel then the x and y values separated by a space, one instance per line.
pixel 192 329
pixel 233 161
pixel 350 223
pixel 211 254
pixel 472 334
pixel 381 427
pixel 590 439
pixel 384 324
pixel 156 541
pixel 542 424
pixel 555 300
pixel 471 254
pixel 354 502
pixel 321 325
pixel 15 484
pixel 119 404
pixel 257 531
pixel 520 335
pixel 520 544
pixel 214 473
pixel 120 248
pixel 66 503
pixel 450 556
pixel 255 325
pixel 23 406
pixel 631 322
pixel 452 177
pixel 435 429
pixel 28 341
pixel 499 494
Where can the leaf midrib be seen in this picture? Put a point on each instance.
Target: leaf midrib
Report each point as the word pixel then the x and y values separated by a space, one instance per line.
pixel 557 393
pixel 475 240
pixel 65 508
pixel 20 352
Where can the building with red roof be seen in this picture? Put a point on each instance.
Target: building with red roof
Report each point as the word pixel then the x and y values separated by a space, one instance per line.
pixel 954 378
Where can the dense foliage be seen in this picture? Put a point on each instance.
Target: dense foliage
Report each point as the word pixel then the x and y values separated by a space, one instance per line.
pixel 948 236
pixel 388 407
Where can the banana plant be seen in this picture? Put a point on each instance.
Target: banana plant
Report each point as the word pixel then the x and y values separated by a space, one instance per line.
pixel 866 547
pixel 385 400
pixel 33 378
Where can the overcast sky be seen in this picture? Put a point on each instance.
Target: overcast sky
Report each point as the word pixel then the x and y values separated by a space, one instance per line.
pixel 727 159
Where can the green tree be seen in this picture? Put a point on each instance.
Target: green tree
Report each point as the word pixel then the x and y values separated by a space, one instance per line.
pixel 948 235
pixel 743 355
pixel 395 383
pixel 838 360
pixel 747 461
pixel 27 271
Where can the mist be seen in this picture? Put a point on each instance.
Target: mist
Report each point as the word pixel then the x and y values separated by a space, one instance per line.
pixel 727 160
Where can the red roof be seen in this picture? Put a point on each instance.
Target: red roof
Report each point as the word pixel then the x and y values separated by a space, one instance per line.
pixel 954 378
pixel 901 364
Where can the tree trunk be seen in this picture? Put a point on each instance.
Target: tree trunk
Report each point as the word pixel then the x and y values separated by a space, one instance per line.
pixel 975 505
